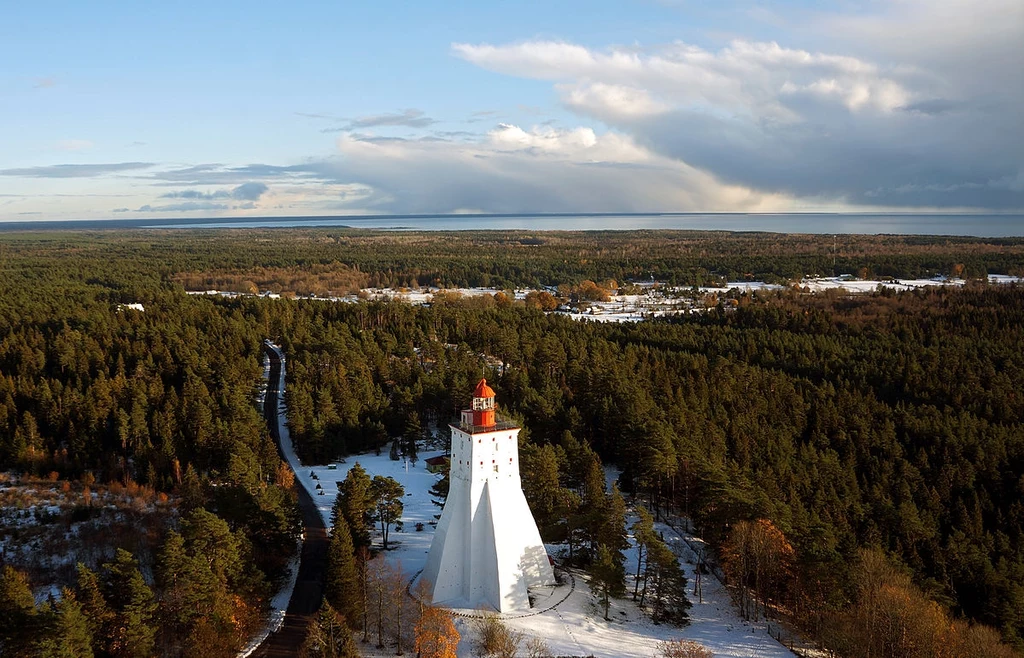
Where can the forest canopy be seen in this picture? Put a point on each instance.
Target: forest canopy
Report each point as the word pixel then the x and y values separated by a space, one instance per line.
pixel 888 422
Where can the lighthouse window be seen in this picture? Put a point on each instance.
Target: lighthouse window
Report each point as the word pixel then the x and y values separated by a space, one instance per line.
pixel 495 468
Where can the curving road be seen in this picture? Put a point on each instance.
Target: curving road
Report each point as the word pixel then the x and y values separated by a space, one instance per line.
pixel 309 585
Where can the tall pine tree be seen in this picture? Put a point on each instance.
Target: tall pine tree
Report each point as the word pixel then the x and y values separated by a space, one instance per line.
pixel 97 613
pixel 68 634
pixel 17 612
pixel 132 632
pixel 607 577
pixel 342 588
pixel 355 505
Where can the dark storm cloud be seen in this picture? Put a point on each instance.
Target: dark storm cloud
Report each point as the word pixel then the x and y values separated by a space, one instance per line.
pixel 872 162
pixel 912 104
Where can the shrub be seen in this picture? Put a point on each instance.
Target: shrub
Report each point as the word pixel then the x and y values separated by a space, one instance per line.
pixel 496 639
pixel 683 649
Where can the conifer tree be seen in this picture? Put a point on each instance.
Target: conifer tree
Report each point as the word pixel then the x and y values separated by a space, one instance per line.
pixel 667 584
pixel 612 522
pixel 643 534
pixel 192 494
pixel 209 536
pixel 439 490
pixel 411 434
pixel 171 560
pixel 608 576
pixel 132 632
pixel 176 605
pixel 592 514
pixel 17 609
pixel 329 636
pixel 98 615
pixel 341 587
pixel 192 595
pixel 68 635
pixel 543 490
pixel 354 503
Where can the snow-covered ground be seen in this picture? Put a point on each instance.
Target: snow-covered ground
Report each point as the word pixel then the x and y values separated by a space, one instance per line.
pixel 850 284
pixel 1004 279
pixel 574 625
pixel 658 300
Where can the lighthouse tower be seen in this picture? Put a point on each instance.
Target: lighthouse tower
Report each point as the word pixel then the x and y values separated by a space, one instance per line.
pixel 487 549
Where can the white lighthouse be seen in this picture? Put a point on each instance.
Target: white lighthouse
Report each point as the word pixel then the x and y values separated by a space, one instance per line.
pixel 487 549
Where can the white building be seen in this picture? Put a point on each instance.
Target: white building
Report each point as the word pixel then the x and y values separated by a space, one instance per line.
pixel 487 550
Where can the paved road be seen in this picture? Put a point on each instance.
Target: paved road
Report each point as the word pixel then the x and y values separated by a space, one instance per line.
pixel 309 585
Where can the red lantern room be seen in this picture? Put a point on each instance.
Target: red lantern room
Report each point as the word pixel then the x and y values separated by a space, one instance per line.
pixel 483 405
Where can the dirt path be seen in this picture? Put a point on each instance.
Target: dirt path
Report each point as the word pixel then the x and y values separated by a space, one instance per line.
pixel 309 586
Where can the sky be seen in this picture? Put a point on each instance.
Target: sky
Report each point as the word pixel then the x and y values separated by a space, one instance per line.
pixel 217 109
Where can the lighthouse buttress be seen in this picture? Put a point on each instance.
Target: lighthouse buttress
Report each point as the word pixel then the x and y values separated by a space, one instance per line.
pixel 486 551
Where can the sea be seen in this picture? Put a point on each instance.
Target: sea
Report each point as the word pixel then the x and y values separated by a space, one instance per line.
pixel 979 225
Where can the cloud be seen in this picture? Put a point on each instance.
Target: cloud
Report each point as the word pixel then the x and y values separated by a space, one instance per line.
pixel 249 191
pixel 411 118
pixel 75 170
pixel 454 135
pixel 507 136
pixel 195 194
pixel 744 76
pixel 508 169
pixel 218 174
pixel 881 110
pixel 44 83
pixel 244 192
pixel 932 106
pixel 74 144
pixel 612 99
pixel 316 115
pixel 540 169
pixel 482 115
pixel 188 206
